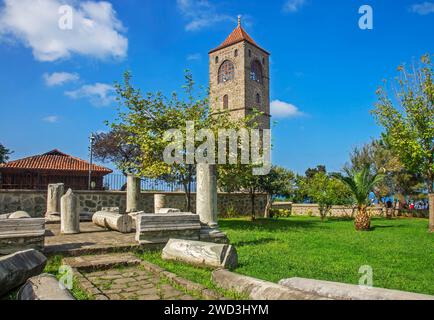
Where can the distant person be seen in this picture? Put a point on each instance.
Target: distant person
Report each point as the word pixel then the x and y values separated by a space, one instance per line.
pixel 389 209
pixel 389 204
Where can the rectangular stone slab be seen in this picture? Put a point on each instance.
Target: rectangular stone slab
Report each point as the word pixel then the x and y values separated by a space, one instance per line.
pixel 257 289
pixel 16 268
pixel 21 234
pixel 344 291
pixel 201 253
pixel 159 228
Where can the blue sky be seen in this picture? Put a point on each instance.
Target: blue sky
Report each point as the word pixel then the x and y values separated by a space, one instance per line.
pixel 56 84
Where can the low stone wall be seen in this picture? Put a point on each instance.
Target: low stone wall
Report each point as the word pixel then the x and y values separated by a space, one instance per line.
pixel 298 209
pixel 35 202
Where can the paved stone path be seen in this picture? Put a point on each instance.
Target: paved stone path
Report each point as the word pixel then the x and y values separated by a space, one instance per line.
pixel 132 283
pixel 121 276
pixel 92 239
pixel 106 269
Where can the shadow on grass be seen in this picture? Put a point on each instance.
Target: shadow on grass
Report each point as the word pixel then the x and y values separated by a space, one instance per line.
pixel 255 242
pixel 373 228
pixel 271 224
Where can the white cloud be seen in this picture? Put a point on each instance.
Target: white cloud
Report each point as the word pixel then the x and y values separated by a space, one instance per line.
pixel 99 94
pixel 200 14
pixel 280 109
pixel 293 5
pixel 194 56
pixel 59 78
pixel 96 31
pixel 51 119
pixel 423 8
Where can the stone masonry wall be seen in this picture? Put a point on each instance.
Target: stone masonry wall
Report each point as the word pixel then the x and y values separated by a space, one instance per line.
pixel 313 210
pixel 35 202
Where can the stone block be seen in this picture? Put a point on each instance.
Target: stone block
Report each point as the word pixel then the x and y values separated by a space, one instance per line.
pixel 19 215
pixel 343 291
pixel 44 287
pixel 201 253
pixel 257 289
pixel 21 234
pixel 168 210
pixel 69 214
pixel 16 268
pixel 113 221
pixel 159 228
pixel 54 194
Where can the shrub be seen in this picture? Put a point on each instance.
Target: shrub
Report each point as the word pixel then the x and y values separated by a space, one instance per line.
pixel 231 212
pixel 280 213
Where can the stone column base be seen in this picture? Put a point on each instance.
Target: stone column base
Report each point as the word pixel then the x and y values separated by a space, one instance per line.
pixel 208 234
pixel 52 218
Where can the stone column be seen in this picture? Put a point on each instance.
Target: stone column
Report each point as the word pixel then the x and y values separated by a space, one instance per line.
pixel 431 212
pixel 133 193
pixel 159 202
pixel 69 214
pixel 206 196
pixel 55 192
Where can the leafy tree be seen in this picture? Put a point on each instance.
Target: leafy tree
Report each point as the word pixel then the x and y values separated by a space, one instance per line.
pixel 4 154
pixel 326 191
pixel 311 172
pixel 380 157
pixel 408 118
pixel 239 178
pixel 143 122
pixel 361 183
pixel 113 147
pixel 278 183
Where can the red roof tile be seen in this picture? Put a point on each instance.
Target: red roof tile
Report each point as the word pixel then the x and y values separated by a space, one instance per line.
pixel 238 35
pixel 54 160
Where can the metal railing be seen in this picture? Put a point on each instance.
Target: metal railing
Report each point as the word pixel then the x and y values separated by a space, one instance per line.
pixel 119 182
pixel 112 182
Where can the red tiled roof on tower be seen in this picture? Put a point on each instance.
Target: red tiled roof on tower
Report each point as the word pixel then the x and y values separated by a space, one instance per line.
pixel 54 160
pixel 238 35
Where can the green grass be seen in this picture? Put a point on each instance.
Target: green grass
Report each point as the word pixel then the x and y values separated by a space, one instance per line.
pixel 195 274
pixel 400 251
pixel 52 267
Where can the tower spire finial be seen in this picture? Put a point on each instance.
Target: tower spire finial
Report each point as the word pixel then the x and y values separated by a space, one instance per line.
pixel 239 20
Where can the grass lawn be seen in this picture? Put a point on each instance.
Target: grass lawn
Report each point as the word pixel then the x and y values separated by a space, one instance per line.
pixel 400 251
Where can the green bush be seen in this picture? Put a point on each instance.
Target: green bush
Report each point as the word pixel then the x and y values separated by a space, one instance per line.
pixel 280 213
pixel 231 213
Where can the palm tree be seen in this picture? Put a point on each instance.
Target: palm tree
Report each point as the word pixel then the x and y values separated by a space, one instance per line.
pixel 361 183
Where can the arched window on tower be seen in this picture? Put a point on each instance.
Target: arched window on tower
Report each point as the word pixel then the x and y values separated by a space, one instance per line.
pixel 217 59
pixel 258 99
pixel 226 72
pixel 256 71
pixel 225 102
pixel 236 53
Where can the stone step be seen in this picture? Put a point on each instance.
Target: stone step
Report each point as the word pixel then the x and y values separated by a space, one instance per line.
pixel 101 262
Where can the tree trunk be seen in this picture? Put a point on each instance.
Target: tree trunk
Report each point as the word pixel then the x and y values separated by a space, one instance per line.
pixel 187 194
pixel 363 220
pixel 252 197
pixel 268 206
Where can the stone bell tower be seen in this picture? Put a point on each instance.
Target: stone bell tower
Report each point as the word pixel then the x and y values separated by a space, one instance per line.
pixel 239 72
